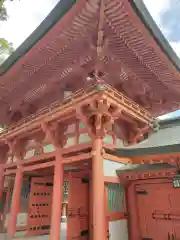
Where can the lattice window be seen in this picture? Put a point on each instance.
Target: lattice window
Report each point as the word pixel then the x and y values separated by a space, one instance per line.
pixel 25 192
pixel 11 186
pixel 65 189
pixel 115 197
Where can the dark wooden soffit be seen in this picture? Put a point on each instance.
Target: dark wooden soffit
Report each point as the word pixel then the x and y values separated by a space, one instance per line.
pixel 151 25
pixel 141 70
pixel 63 7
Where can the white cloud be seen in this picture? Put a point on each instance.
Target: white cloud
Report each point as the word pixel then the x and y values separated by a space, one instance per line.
pixel 156 8
pixel 176 47
pixel 24 17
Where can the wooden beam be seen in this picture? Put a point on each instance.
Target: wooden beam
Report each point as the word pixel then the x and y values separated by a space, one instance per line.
pixel 111 180
pixel 117 216
pixel 78 158
pixel 39 166
pixel 27 125
pixel 113 158
pixel 10 172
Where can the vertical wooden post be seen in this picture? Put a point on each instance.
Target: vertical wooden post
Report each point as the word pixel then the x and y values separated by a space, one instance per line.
pixel 134 233
pixel 15 205
pixel 57 197
pixel 1 195
pixel 64 210
pixel 1 181
pixel 98 191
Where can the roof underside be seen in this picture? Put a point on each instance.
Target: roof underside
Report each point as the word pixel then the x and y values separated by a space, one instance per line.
pixel 131 59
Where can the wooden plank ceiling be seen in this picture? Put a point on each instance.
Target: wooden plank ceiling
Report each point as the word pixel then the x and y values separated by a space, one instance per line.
pixel 128 57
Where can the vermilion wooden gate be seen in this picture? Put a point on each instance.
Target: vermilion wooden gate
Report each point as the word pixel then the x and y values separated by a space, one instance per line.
pixel 159 211
pixel 39 217
pixel 78 209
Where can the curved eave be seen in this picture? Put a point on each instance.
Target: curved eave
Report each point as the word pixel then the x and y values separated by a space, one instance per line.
pixel 161 150
pixel 152 27
pixel 170 145
pixel 144 167
pixel 62 7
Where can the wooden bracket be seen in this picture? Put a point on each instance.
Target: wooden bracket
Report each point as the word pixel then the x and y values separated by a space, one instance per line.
pixel 96 116
pixel 16 147
pixel 55 133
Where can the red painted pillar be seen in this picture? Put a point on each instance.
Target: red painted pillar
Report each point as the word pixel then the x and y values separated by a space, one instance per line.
pixel 15 204
pixel 98 191
pixel 57 197
pixel 133 224
pixel 1 195
pixel 1 181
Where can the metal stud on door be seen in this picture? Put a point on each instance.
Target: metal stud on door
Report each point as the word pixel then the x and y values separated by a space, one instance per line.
pixel 39 217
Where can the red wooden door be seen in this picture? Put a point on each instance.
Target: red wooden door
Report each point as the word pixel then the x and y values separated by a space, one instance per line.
pixel 154 206
pixel 78 209
pixel 174 212
pixel 39 217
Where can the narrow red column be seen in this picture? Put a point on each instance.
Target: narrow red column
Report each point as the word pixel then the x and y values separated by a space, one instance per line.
pixel 57 197
pixel 15 204
pixel 98 191
pixel 134 231
pixel 1 195
pixel 1 181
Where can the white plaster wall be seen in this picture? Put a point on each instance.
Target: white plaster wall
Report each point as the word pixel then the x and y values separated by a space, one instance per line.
pixel 118 230
pixel 21 220
pixel 110 168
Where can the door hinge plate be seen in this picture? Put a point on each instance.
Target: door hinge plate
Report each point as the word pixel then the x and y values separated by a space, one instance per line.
pixel 85 180
pixel 85 232
pixel 142 192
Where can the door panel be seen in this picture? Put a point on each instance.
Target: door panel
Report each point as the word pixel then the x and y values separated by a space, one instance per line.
pixel 39 217
pixel 154 207
pixel 78 209
pixel 174 213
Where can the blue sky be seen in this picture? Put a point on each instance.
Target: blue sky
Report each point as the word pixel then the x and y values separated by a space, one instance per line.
pixel 166 14
pixel 26 15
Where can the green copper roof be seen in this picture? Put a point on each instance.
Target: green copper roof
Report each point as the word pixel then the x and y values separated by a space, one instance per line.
pixel 168 149
pixel 64 6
